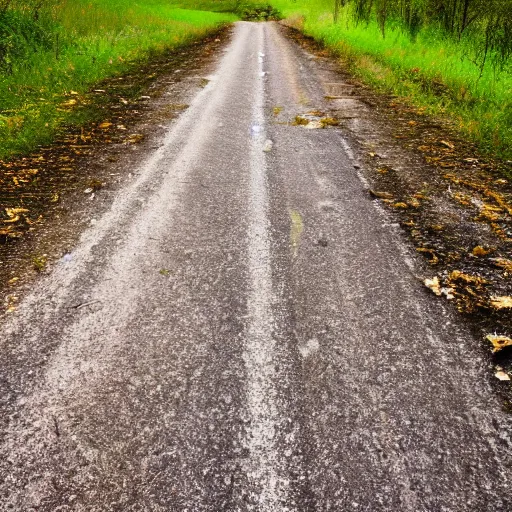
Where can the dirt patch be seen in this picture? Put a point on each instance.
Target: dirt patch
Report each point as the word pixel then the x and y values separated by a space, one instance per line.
pixel 49 197
pixel 454 203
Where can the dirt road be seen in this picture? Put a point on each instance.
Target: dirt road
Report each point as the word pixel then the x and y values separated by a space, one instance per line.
pixel 244 331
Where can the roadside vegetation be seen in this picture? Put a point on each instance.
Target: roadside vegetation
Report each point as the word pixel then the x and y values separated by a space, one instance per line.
pixel 449 57
pixel 53 51
pixel 247 10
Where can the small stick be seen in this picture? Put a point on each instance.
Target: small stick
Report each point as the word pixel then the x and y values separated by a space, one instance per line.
pixel 85 304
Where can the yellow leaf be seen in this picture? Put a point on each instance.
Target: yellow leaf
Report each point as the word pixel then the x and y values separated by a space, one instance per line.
pixel 499 342
pixel 135 138
pixel 503 263
pixel 480 251
pixel 501 302
pixel 12 212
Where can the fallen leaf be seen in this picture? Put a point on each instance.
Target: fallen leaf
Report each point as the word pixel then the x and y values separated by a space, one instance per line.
pixel 381 195
pixel 457 275
pixel 434 285
pixel 480 251
pixel 164 272
pixel 501 302
pixel 499 342
pixel 447 144
pixel 401 205
pixel 296 230
pixel 105 126
pixel 434 260
pixel 7 231
pixel 12 220
pixel 501 375
pixel 13 214
pixel 135 138
pixel 503 263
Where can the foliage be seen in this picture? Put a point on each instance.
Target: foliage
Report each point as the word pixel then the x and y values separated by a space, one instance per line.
pixel 258 12
pixel 249 10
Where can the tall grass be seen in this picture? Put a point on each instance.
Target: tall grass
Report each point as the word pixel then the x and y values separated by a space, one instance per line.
pixel 69 45
pixel 432 70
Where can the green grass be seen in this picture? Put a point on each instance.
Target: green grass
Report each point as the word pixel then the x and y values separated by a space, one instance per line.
pixel 74 44
pixel 433 71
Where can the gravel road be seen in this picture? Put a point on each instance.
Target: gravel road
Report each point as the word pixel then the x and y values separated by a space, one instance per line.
pixel 244 331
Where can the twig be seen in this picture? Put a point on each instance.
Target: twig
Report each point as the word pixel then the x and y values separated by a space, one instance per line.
pixel 85 304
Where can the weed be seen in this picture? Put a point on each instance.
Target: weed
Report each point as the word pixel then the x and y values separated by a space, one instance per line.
pixel 39 262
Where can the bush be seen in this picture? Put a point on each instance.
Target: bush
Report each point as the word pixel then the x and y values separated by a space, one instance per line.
pixel 258 12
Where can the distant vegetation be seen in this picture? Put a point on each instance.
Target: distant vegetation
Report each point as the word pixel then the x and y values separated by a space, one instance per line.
pixel 51 48
pixel 452 56
pixel 249 10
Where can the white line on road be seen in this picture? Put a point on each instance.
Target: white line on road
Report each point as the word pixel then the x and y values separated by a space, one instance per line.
pixel 266 474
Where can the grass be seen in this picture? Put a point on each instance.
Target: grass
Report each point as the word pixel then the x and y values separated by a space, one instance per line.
pixel 432 71
pixel 47 62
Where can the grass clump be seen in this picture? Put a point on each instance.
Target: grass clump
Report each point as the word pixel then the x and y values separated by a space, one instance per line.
pixel 51 52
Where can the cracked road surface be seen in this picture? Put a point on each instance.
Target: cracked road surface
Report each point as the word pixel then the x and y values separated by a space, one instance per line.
pixel 243 331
